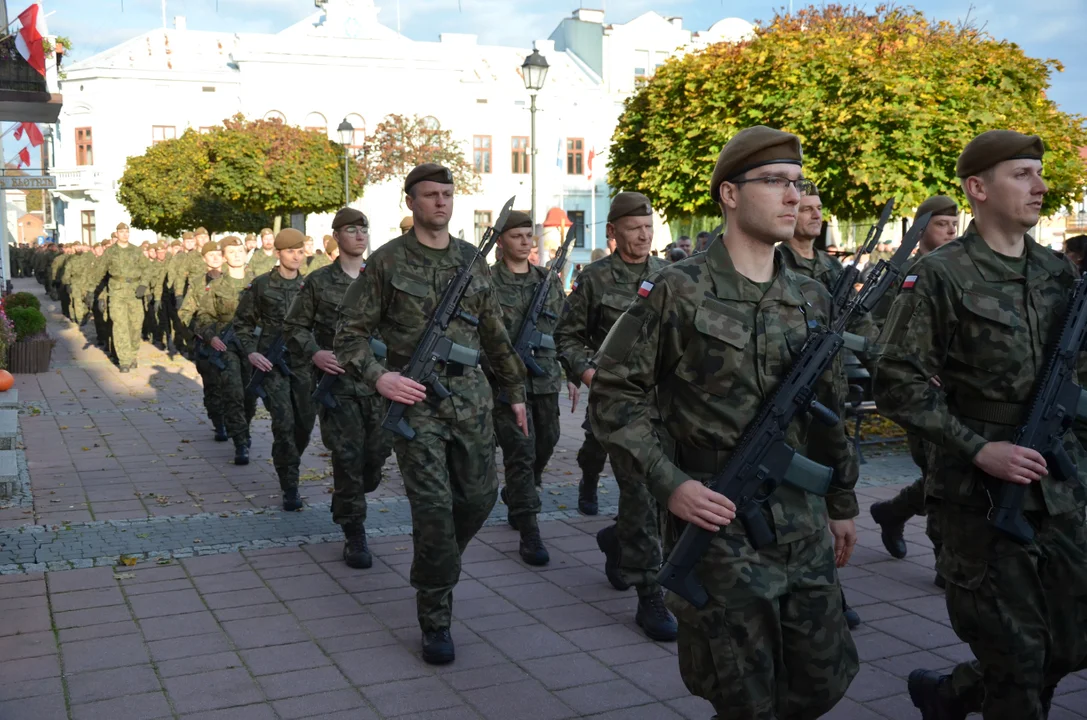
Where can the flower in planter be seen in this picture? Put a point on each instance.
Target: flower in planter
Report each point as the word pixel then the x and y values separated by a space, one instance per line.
pixel 7 337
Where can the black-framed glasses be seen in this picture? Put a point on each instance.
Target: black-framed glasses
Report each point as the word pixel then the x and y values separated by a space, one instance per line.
pixel 776 182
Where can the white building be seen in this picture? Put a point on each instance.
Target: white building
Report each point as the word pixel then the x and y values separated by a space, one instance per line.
pixel 342 63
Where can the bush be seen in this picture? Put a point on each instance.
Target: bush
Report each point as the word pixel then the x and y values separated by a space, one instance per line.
pixel 28 322
pixel 22 300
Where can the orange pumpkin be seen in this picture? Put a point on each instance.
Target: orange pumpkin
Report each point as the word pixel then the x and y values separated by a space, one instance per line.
pixel 6 380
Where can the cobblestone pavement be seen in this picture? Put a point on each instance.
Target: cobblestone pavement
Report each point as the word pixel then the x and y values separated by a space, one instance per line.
pixel 234 610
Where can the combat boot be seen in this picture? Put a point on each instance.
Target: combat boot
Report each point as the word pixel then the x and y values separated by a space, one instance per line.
pixel 608 542
pixel 586 495
pixel 291 500
pixel 241 452
pixel 438 647
pixel 890 529
pixel 654 618
pixel 929 694
pixel 852 619
pixel 220 432
pixel 532 549
pixel 356 553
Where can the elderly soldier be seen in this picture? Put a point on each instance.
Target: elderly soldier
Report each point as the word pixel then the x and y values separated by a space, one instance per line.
pixel 979 315
pixel 189 315
pixel 448 466
pixel 215 315
pixel 709 338
pixel 602 292
pixel 351 430
pixel 259 324
pixel 264 257
pixel 127 268
pixel 515 283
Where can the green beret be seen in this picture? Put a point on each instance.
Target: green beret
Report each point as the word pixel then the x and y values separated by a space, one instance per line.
pixel 209 246
pixel 331 245
pixel 122 226
pixel 428 171
pixel 937 205
pixel 349 216
pixel 175 243
pixel 266 231
pixel 201 231
pixel 517 219
pixel 289 239
pixel 230 241
pixel 996 146
pixel 250 236
pixel 629 203
pixel 751 148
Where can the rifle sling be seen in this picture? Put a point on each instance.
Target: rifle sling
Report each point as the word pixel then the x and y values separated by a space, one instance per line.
pixel 990 411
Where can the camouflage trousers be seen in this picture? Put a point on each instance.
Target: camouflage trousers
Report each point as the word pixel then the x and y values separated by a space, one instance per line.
pixel 913 500
pixel 636 527
pixel 102 331
pixel 126 315
pixel 79 309
pixel 592 455
pixel 359 446
pixel 524 458
pixel 213 397
pixel 772 644
pixel 238 405
pixel 451 483
pixel 1021 608
pixel 288 402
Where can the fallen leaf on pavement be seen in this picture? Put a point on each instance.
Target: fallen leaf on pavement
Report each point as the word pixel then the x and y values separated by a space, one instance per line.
pixel 128 561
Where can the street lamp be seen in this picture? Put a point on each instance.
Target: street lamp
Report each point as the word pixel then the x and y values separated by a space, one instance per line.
pixel 346 132
pixel 534 72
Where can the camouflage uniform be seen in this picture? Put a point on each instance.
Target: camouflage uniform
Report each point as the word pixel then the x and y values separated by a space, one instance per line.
pixel 215 311
pixel 981 323
pixel 712 346
pixel 76 275
pixel 448 468
pixel 258 321
pixel 261 263
pixel 318 261
pixel 601 294
pixel 156 276
pixel 352 430
pixel 209 375
pixel 126 268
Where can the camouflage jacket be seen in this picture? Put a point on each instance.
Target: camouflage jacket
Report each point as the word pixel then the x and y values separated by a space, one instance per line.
pixel 395 297
pixel 56 269
pixel 598 297
pixel 967 317
pixel 126 267
pixel 318 261
pixel 714 347
pixel 156 275
pixel 883 309
pixel 514 293
pixel 311 322
pixel 190 306
pixel 261 310
pixel 261 263
pixel 217 303
pixel 823 267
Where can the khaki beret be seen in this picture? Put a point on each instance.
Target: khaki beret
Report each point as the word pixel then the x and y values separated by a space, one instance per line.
pixel 331 245
pixel 250 236
pixel 266 231
pixel 428 171
pixel 349 216
pixel 209 246
pixel 289 239
pixel 407 224
pixel 517 219
pixel 175 243
pixel 996 146
pixel 751 148
pixel 187 236
pixel 200 231
pixel 122 226
pixel 629 203
pixel 937 205
pixel 230 241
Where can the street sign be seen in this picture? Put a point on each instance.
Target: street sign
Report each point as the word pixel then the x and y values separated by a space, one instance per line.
pixel 24 182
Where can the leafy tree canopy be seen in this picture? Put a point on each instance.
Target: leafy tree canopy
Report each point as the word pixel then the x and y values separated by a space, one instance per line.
pixel 883 102
pixel 400 143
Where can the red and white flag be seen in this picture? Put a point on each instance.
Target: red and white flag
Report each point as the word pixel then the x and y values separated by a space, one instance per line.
pixel 33 134
pixel 24 157
pixel 592 154
pixel 28 41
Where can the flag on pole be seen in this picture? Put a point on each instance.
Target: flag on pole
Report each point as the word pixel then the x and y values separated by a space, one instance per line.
pixel 28 41
pixel 24 157
pixel 592 154
pixel 33 134
pixel 558 155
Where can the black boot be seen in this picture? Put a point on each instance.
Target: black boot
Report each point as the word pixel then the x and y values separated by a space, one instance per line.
pixel 608 542
pixel 509 518
pixel 438 647
pixel 220 432
pixel 654 618
pixel 586 496
pixel 890 529
pixel 925 692
pixel 355 551
pixel 532 548
pixel 852 619
pixel 291 500
pixel 241 453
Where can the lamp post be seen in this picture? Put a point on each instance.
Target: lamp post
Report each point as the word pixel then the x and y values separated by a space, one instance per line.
pixel 346 132
pixel 534 72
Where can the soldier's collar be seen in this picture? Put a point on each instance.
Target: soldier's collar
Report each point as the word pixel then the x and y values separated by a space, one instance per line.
pixel 1040 261
pixel 420 255
pixel 727 285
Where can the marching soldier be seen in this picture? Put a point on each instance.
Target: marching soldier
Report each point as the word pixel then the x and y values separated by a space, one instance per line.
pixel 189 316
pixel 127 268
pixel 264 257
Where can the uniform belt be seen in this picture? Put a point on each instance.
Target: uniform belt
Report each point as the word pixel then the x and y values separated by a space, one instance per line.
pixel 700 460
pixel 990 411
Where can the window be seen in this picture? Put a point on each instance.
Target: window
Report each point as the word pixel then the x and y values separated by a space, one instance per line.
pixel 205 129
pixel 358 136
pixel 159 133
pixel 316 122
pixel 577 217
pixel 483 221
pixel 275 115
pixel 575 156
pixel 84 150
pixel 87 220
pixel 481 153
pixel 519 151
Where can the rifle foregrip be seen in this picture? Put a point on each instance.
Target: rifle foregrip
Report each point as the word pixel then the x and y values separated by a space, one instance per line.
pixel 823 414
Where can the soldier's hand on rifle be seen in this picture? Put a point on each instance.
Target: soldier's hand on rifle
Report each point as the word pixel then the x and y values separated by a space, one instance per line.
pixel 587 376
pixel 575 393
pixel 326 361
pixel 845 539
pixel 260 362
pixel 695 503
pixel 217 345
pixel 1011 463
pixel 521 415
pixel 394 386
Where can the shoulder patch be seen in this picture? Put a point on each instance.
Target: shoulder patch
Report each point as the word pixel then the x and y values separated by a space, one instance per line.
pixel 249 286
pixel 573 287
pixel 909 282
pixel 645 289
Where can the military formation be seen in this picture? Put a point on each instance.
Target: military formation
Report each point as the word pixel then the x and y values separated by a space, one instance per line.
pixel 416 351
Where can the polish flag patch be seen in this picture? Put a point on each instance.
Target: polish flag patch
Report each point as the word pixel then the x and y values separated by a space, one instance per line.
pixel 645 289
pixel 574 286
pixel 909 282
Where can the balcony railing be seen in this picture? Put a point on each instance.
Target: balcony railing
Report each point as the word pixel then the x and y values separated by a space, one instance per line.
pixel 15 72
pixel 84 178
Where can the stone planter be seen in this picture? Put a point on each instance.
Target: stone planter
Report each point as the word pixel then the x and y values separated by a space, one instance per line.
pixel 30 356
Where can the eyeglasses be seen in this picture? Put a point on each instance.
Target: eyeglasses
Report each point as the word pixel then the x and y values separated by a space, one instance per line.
pixel 776 182
pixel 354 230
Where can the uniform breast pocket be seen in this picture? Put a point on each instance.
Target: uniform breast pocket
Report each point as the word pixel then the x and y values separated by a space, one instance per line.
pixel 409 303
pixel 475 297
pixel 987 332
pixel 715 354
pixel 612 305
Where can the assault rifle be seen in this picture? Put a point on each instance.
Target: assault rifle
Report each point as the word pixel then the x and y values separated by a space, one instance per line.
pixel 843 286
pixel 435 348
pixel 1057 401
pixel 228 338
pixel 529 337
pixel 277 355
pixel 323 393
pixel 762 459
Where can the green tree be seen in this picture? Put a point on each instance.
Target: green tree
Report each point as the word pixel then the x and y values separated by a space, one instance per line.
pixel 883 102
pixel 400 143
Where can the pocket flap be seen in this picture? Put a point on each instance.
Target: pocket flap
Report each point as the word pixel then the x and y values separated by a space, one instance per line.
pixel 726 329
pixel 410 285
pixel 616 300
pixel 998 308
pixel 964 572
